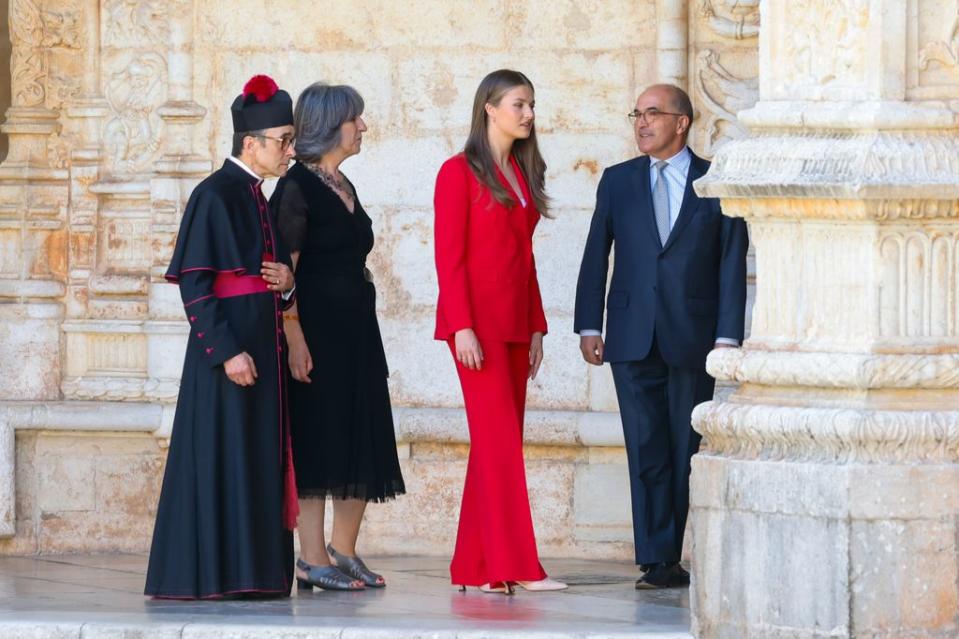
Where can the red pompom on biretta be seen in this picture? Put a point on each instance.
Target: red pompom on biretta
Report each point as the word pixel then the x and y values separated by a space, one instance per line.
pixel 261 87
pixel 262 105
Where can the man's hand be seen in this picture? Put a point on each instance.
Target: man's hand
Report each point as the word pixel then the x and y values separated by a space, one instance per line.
pixel 591 346
pixel 535 354
pixel 469 353
pixel 278 276
pixel 724 345
pixel 241 369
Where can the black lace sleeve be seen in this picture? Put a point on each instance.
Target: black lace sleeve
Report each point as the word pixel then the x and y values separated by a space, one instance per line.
pixel 291 212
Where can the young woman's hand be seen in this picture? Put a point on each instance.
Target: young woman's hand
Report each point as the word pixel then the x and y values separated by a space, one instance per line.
pixel 469 353
pixel 535 354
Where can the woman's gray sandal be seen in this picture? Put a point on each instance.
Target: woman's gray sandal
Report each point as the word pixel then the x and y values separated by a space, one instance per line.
pixel 325 577
pixel 354 567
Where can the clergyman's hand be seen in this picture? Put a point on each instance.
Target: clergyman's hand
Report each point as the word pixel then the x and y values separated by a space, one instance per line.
pixel 241 369
pixel 591 346
pixel 278 276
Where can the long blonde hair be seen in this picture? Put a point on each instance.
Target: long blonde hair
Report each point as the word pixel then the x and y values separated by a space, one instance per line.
pixel 526 151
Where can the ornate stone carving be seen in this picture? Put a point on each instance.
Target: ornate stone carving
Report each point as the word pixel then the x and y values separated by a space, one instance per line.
pixel 133 94
pixel 60 29
pixel 64 87
pixel 860 371
pixel 119 389
pixel 723 96
pixel 882 210
pixel 825 40
pixel 125 244
pixel 873 165
pixel 136 22
pixel 834 435
pixel 914 209
pixel 946 51
pixel 917 286
pixel 32 32
pixel 739 20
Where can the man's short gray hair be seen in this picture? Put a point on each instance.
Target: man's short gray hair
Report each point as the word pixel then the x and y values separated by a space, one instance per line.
pixel 320 111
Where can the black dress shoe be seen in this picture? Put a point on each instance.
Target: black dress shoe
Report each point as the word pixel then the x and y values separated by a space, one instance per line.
pixel 662 575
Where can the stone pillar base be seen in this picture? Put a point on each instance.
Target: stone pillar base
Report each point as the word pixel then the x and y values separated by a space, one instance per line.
pixel 808 550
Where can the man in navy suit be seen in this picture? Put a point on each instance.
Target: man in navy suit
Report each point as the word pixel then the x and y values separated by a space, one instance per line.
pixel 678 290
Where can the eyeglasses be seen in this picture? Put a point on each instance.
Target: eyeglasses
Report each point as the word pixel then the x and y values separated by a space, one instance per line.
pixel 285 142
pixel 650 115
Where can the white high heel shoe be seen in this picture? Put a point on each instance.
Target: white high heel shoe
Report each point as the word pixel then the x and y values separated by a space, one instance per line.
pixel 543 585
pixel 505 588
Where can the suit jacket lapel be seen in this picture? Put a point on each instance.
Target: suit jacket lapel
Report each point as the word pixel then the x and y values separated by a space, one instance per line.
pixel 647 218
pixel 690 200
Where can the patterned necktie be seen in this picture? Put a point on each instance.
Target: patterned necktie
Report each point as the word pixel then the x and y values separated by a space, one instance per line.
pixel 661 203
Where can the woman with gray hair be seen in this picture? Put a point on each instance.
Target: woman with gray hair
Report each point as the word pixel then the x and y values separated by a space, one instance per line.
pixel 341 420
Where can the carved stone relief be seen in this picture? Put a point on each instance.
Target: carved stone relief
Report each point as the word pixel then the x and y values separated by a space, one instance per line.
pixel 133 127
pixel 738 19
pixel 722 96
pixel 944 52
pixel 839 165
pixel 135 22
pixel 919 273
pixel 125 244
pixel 836 435
pixel 33 32
pixel 825 41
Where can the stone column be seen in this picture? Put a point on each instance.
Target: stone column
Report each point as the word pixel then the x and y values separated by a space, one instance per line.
pixel 33 196
pixel 179 169
pixel 122 343
pixel 88 109
pixel 825 501
pixel 672 39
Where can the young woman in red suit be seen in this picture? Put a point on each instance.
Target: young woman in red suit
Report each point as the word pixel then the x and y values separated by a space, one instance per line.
pixel 488 201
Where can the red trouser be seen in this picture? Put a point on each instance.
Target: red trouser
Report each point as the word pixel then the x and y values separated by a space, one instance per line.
pixel 495 541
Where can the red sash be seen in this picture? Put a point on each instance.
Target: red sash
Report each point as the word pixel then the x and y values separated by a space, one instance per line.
pixel 231 285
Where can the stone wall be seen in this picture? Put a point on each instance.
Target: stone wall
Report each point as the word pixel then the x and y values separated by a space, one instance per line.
pixel 121 106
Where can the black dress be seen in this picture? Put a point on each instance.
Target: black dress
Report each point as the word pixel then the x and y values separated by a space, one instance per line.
pixel 341 423
pixel 224 521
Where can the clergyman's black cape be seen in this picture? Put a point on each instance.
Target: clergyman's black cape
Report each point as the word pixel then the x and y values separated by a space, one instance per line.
pixel 220 526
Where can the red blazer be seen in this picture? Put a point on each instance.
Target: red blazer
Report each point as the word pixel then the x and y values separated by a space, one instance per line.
pixel 484 258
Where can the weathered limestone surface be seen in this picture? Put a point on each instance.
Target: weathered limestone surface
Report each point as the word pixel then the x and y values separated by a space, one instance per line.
pixel 826 502
pixel 121 106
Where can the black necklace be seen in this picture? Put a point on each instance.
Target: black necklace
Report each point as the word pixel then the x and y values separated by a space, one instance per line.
pixel 339 185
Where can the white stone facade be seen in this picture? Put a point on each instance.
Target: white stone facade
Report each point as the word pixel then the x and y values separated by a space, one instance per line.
pixel 825 502
pixel 121 106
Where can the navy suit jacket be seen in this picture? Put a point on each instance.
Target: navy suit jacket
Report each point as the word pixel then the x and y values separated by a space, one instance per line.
pixel 686 293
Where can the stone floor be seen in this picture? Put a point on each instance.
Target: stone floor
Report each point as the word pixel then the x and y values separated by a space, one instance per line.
pixel 99 596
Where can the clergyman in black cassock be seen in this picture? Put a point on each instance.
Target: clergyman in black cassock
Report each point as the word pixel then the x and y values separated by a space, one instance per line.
pixel 228 503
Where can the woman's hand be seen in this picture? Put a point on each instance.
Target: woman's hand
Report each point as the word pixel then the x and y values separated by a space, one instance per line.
pixel 468 350
pixel 301 363
pixel 535 354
